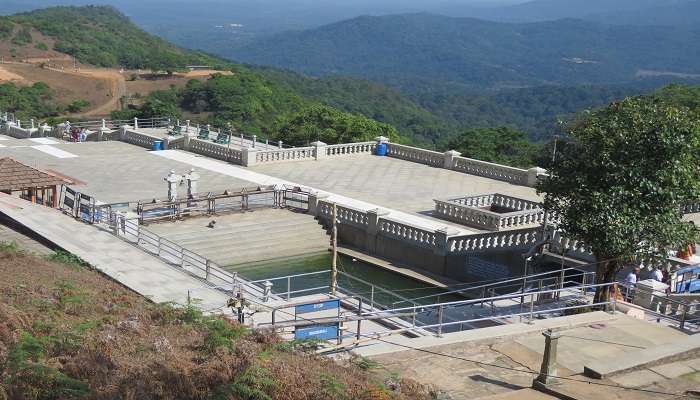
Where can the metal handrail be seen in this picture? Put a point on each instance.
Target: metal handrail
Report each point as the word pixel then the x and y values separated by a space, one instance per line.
pixel 500 283
pixel 499 297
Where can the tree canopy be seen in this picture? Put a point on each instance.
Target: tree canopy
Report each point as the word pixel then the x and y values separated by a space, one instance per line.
pixel 501 145
pixel 35 101
pixel 329 125
pixel 621 179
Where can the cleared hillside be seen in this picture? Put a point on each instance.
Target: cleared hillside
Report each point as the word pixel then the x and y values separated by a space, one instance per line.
pixel 68 332
pixel 100 36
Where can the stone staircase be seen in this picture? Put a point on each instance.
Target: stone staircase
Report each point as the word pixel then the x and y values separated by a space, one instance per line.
pixel 260 235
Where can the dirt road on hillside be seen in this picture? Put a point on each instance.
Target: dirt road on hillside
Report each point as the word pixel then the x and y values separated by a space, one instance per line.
pixel 7 76
pixel 116 91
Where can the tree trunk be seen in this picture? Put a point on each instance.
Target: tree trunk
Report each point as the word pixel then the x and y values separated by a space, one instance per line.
pixel 605 272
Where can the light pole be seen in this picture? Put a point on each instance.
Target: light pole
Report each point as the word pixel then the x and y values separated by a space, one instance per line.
pixel 522 298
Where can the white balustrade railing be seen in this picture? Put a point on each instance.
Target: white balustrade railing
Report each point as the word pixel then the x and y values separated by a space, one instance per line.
pixel 522 238
pixel 477 211
pixel 177 143
pixel 345 215
pixel 214 150
pixel 139 139
pixel 415 154
pixel 407 233
pixel 351 148
pixel 490 170
pixel 290 154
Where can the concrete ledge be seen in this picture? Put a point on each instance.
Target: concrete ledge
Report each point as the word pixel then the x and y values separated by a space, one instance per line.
pixel 682 349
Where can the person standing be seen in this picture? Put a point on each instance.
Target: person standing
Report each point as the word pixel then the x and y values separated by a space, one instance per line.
pixel 657 275
pixel 633 276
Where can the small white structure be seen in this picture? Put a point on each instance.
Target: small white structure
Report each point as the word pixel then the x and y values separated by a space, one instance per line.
pixel 192 179
pixel 172 179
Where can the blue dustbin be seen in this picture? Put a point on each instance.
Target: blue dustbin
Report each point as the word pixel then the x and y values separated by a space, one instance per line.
pixel 157 145
pixel 381 149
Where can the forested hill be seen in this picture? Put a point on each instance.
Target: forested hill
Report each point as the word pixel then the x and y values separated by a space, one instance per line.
pixel 102 36
pixel 403 49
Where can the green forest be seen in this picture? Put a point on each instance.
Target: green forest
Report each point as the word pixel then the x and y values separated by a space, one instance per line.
pixel 510 126
pixel 257 106
pixel 424 49
pixel 26 102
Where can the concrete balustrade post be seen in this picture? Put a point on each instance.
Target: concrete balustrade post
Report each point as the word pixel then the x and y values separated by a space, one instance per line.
pixel 255 139
pixel 101 133
pixel 44 130
pixel 249 156
pixel 441 238
pixel 548 370
pixel 59 130
pixel 136 123
pixel 186 142
pixel 319 150
pixel 373 219
pixel 122 132
pixel 449 158
pixel 533 175
pixel 279 144
pixel 314 200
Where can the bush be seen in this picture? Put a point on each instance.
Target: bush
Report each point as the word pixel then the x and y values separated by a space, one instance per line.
pixel 41 46
pixel 23 36
pixel 29 378
pixel 78 105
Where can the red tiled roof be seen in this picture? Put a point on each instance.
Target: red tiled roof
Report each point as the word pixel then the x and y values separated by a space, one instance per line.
pixel 16 176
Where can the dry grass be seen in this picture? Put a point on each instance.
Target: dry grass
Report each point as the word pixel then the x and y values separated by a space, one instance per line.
pixel 68 332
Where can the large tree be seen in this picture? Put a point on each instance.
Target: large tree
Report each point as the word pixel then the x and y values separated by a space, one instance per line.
pixel 621 178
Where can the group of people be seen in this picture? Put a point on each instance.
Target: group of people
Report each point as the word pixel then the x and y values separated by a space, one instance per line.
pixel 657 274
pixel 76 134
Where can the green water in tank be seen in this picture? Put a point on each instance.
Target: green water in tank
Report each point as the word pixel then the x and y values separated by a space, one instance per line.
pixel 400 285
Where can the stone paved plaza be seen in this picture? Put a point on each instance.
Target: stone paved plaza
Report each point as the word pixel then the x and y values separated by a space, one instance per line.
pixel 116 172
pixel 113 171
pixel 390 182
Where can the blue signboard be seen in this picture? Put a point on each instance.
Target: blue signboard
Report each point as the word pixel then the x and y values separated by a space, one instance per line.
pixel 322 332
pixel 326 305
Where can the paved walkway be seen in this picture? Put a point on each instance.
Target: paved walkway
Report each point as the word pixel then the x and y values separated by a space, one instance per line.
pixel 503 360
pixel 115 258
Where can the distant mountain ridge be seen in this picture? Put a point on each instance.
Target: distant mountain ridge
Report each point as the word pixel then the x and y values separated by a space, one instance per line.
pixel 103 36
pixel 477 53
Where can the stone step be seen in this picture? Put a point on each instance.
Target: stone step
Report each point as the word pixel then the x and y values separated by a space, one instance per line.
pixel 261 245
pixel 230 259
pixel 162 229
pixel 266 230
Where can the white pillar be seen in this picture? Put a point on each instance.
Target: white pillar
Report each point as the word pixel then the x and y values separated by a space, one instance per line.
pixel 449 158
pixel 172 179
pixel 533 175
pixel 136 123
pixel 248 156
pixel 319 150
pixel 192 179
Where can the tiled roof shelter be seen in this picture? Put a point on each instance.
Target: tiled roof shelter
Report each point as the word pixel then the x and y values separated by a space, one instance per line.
pixel 35 185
